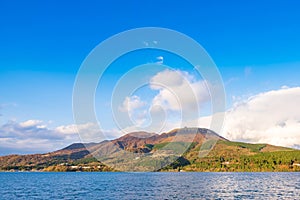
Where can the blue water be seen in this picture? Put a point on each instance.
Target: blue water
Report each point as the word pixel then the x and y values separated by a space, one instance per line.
pixel 42 185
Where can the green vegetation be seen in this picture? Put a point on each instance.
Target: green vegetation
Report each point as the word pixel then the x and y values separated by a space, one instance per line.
pixel 207 145
pixel 241 157
pixel 149 146
pixel 252 147
pixel 175 147
pixel 201 154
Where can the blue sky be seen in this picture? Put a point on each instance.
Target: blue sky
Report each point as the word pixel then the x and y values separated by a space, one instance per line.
pixel 255 45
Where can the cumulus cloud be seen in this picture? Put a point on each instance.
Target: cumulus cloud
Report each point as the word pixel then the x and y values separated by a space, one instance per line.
pixel 272 117
pixel 135 108
pixel 31 123
pixel 88 132
pixel 131 103
pixel 178 98
pixel 178 90
pixel 34 136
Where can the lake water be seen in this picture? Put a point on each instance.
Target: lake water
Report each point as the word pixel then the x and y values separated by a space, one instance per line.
pixel 27 185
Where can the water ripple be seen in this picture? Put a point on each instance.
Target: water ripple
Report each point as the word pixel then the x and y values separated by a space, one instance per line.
pixel 149 185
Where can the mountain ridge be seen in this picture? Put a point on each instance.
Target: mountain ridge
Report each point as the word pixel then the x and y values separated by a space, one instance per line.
pixel 142 149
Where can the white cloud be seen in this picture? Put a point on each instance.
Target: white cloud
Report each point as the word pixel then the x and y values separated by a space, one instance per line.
pixel 89 132
pixel 160 60
pixel 131 103
pixel 271 117
pixel 31 123
pixel 33 136
pixel 135 108
pixel 68 129
pixel 179 95
pixel 178 91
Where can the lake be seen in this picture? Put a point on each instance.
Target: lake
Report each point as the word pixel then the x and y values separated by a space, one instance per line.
pixel 115 185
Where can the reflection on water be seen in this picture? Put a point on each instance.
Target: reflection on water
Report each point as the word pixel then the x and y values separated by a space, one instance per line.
pixel 149 185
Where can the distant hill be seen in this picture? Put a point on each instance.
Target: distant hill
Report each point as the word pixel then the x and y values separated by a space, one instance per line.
pixel 186 149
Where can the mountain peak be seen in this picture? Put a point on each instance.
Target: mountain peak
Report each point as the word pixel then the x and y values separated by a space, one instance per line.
pixel 74 146
pixel 139 134
pixel 207 133
pixel 152 150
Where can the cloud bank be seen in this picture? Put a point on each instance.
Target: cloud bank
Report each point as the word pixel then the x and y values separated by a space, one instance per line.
pixel 34 136
pixel 272 117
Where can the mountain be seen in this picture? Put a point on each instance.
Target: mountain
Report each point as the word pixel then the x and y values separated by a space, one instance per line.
pixel 186 149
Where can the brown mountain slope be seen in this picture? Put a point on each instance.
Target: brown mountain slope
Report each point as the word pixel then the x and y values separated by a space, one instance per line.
pixel 189 149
